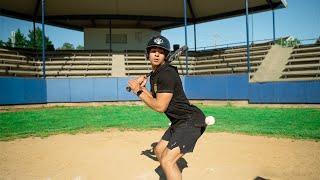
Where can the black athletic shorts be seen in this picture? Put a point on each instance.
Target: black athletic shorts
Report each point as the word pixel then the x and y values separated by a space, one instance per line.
pixel 185 136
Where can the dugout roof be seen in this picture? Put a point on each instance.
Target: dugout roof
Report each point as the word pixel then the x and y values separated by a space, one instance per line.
pixel 150 14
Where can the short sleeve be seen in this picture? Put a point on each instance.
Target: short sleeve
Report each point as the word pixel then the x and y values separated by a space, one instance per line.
pixel 166 82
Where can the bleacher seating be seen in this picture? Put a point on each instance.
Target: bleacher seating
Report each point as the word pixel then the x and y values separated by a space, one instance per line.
pixel 137 64
pixel 224 61
pixel 180 63
pixel 304 63
pixel 78 64
pixel 18 63
pixel 230 60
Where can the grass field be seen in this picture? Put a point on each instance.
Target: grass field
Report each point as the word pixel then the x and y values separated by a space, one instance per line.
pixel 297 123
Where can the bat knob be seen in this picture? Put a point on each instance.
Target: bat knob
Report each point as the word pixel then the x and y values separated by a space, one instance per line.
pixel 128 89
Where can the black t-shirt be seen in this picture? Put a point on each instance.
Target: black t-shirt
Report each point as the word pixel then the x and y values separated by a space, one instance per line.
pixel 166 79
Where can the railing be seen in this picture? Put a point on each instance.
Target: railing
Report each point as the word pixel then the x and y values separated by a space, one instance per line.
pixel 308 41
pixel 228 45
pixel 243 43
pixel 202 48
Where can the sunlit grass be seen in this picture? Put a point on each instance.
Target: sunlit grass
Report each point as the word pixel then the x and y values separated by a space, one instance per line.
pixel 302 123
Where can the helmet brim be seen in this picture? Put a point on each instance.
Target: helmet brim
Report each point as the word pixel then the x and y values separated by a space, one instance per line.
pixel 159 46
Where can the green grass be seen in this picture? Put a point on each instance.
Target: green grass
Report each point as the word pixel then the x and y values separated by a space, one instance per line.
pixel 297 123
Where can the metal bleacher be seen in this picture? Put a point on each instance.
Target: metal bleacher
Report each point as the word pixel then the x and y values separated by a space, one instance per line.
pixel 61 64
pixel 136 63
pixel 18 63
pixel 303 64
pixel 23 63
pixel 222 61
pixel 230 60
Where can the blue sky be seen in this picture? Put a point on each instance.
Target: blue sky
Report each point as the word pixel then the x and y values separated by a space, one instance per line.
pixel 301 19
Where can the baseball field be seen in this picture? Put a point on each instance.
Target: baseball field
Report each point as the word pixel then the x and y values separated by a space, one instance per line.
pixel 115 142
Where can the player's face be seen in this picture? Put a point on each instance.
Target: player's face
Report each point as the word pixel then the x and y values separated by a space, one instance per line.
pixel 156 56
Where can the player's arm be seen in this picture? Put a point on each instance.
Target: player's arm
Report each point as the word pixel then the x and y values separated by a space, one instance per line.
pixel 145 90
pixel 162 100
pixel 166 84
pixel 143 85
pixel 160 103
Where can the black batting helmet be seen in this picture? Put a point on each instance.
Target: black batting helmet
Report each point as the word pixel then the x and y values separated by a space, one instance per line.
pixel 159 41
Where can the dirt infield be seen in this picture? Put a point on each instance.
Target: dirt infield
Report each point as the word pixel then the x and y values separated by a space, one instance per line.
pixel 122 155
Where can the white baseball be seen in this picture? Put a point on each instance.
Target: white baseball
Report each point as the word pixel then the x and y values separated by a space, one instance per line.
pixel 210 120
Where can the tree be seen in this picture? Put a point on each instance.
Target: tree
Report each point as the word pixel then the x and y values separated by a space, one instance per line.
pixel 288 41
pixel 37 41
pixel 20 39
pixel 67 46
pixel 80 47
pixel 2 43
pixel 9 43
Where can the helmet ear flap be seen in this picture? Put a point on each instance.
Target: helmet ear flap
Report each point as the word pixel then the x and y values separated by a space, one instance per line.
pixel 167 56
pixel 147 53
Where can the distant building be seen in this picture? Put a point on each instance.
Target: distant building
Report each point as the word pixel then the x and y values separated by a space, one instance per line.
pixel 121 39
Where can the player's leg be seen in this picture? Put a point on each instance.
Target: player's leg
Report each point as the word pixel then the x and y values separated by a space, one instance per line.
pixel 182 141
pixel 169 165
pixel 160 147
pixel 162 144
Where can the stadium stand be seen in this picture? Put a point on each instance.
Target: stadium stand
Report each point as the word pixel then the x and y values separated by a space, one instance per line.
pixel 218 61
pixel 77 64
pixel 18 63
pixel 136 63
pixel 181 64
pixel 303 64
pixel 230 60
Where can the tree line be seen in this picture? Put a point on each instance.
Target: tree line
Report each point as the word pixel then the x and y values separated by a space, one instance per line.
pixel 35 41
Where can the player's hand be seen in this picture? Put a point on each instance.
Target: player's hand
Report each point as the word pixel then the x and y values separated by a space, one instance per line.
pixel 134 85
pixel 144 82
pixel 141 79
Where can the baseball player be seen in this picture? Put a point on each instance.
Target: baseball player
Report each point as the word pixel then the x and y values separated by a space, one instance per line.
pixel 167 96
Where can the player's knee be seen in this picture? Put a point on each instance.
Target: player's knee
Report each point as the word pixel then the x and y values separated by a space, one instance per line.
pixel 158 151
pixel 165 161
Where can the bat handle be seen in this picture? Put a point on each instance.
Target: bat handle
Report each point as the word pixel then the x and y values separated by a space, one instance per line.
pixel 129 89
